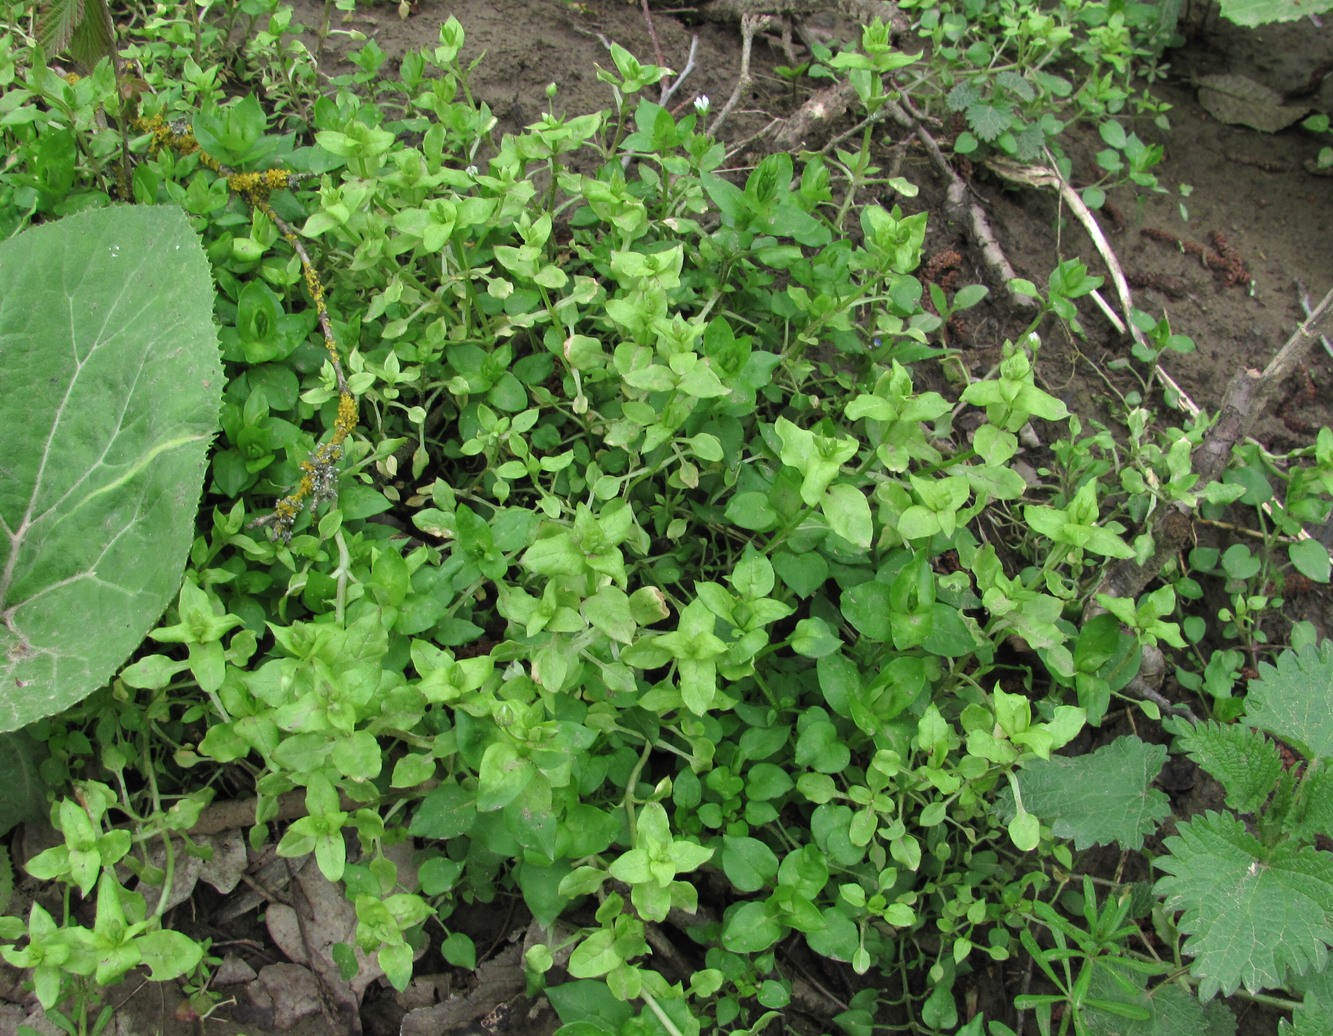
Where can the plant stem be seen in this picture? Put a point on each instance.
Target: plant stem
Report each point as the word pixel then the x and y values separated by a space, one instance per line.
pixel 662 1017
pixel 629 799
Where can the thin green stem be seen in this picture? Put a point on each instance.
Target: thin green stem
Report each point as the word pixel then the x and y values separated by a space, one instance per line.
pixel 662 1016
pixel 343 570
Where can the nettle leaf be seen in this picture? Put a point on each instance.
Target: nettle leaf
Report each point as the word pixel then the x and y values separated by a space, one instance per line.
pixel 1245 762
pixel 108 351
pixel 1171 1010
pixel 1315 1015
pixel 963 95
pixel 1253 916
pixel 1291 699
pixel 84 26
pixel 988 121
pixel 1095 799
pixel 1313 814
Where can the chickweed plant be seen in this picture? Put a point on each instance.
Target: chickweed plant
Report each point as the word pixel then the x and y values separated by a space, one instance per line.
pixel 671 590
pixel 1009 79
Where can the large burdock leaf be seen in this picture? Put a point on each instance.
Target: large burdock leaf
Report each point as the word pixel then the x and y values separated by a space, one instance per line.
pixel 110 384
pixel 1265 12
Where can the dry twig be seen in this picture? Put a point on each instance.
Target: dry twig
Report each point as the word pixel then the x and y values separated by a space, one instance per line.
pixel 751 25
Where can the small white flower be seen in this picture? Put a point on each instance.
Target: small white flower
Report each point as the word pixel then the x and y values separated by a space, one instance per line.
pixel 471 170
pixel 701 104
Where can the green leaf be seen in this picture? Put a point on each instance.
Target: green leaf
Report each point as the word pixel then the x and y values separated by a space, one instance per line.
pixel 868 608
pixel 817 457
pixel 1253 916
pixel 84 26
pixel 1245 762
pixel 107 347
pixel 988 121
pixel 848 514
pixel 751 510
pixel 608 610
pixel 21 757
pixel 752 577
pixel 590 1002
pixel 813 638
pixel 1168 1010
pixel 820 747
pixel 446 812
pixel 395 960
pixel 969 295
pixel 596 955
pixel 1095 799
pixel 748 863
pixel 803 573
pixel 1291 699
pixel 502 776
pixel 1315 1015
pixel 56 23
pixel 168 954
pixel 1025 831
pixel 767 781
pixel 1310 559
pixel 553 555
pixel 1313 814
pixel 1264 12
pixel 459 950
pixel 751 928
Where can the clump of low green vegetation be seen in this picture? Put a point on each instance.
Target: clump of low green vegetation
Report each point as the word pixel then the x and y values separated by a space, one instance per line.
pixel 677 585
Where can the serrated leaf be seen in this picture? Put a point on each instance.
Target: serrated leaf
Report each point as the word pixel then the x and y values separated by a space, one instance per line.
pixel 1095 799
pixel 1016 84
pixel 1291 700
pixel 57 22
pixel 94 37
pixel 1315 1015
pixel 1314 812
pixel 988 121
pixel 1252 916
pixel 1245 762
pixel 107 347
pixel 81 26
pixel 962 96
pixel 1172 1009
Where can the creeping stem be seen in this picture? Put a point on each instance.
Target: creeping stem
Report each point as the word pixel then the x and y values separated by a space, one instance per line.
pixel 319 479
